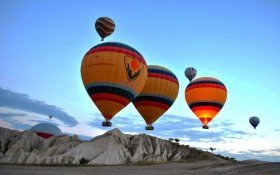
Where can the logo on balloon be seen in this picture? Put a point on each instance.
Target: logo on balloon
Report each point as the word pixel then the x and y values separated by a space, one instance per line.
pixel 133 68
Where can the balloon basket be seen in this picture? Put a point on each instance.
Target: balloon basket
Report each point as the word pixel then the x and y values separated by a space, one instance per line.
pixel 149 128
pixel 106 124
pixel 205 127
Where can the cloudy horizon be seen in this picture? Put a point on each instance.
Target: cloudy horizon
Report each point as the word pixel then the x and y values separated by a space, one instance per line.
pixel 237 42
pixel 19 112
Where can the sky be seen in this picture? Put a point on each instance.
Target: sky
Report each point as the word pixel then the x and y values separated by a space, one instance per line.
pixel 42 44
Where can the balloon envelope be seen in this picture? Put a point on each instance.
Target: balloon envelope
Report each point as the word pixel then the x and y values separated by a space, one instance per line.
pixel 46 130
pixel 104 27
pixel 190 73
pixel 113 74
pixel 206 96
pixel 254 121
pixel 158 94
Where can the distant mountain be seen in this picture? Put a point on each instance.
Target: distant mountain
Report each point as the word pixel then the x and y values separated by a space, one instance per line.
pixel 111 148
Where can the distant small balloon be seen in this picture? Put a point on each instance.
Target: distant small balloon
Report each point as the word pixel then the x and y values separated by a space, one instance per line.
pixel 254 121
pixel 104 27
pixel 50 116
pixel 190 73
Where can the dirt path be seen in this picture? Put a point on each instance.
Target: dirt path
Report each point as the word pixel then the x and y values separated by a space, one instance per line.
pixel 199 168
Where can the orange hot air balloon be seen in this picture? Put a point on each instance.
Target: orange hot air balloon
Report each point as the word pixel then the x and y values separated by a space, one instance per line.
pixel 206 96
pixel 158 94
pixel 113 74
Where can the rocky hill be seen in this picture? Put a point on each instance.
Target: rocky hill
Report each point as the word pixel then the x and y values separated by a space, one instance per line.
pixel 111 148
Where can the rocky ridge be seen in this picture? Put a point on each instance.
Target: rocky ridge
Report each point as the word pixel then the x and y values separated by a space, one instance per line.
pixel 111 148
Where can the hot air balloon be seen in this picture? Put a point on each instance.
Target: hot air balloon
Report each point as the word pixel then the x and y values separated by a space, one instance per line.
pixel 113 74
pixel 104 27
pixel 46 130
pixel 50 116
pixel 190 73
pixel 158 94
pixel 254 121
pixel 206 96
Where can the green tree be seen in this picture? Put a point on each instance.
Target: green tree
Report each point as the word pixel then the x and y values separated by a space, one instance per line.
pixel 83 161
pixel 212 149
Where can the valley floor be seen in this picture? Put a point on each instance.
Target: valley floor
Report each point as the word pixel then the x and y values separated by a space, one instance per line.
pixel 200 167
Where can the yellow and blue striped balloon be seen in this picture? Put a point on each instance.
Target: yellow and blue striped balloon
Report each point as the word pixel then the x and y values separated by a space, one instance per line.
pixel 158 94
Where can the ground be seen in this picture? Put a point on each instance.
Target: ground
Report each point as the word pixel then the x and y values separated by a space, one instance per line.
pixel 199 168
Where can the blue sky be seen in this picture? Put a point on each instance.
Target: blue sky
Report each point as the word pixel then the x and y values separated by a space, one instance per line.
pixel 43 42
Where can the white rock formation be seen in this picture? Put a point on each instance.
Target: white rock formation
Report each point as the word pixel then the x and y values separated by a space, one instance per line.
pixel 113 147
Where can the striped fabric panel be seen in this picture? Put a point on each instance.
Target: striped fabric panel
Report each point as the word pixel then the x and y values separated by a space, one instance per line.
pixel 151 103
pixel 206 103
pixel 207 82
pixel 158 73
pixel 105 90
pixel 44 135
pixel 212 108
pixel 110 84
pixel 156 95
pixel 200 84
pixel 106 22
pixel 206 86
pixel 102 33
pixel 110 97
pixel 103 30
pixel 118 44
pixel 119 48
pixel 154 99
pixel 165 77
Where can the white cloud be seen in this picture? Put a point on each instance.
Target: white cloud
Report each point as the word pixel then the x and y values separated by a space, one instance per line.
pixel 131 133
pixel 254 146
pixel 28 118
pixel 18 101
pixel 20 117
pixel 83 129
pixel 5 124
pixel 222 136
